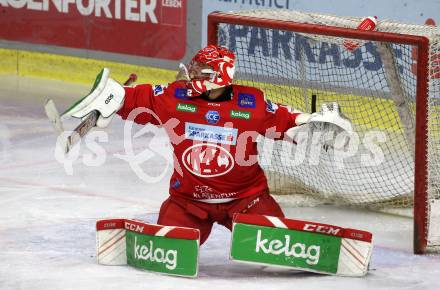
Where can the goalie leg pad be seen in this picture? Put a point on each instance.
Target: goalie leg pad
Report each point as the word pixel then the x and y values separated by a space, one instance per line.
pixel 300 245
pixel 164 249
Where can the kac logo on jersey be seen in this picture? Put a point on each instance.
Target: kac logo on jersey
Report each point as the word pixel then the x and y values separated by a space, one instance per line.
pixel 246 101
pixel 207 160
pixel 157 90
pixel 212 117
pixel 271 107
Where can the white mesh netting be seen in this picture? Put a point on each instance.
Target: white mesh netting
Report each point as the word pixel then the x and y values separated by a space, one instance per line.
pixel 376 87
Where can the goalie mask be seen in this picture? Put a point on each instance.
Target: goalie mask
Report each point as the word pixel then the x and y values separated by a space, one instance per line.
pixel 211 68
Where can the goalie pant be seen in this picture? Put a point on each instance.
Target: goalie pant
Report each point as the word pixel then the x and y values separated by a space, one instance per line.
pixel 177 211
pixel 212 162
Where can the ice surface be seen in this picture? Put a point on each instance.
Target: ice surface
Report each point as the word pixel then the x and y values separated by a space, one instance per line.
pixel 47 235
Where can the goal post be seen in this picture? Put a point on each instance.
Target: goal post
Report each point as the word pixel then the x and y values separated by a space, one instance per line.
pixel 290 55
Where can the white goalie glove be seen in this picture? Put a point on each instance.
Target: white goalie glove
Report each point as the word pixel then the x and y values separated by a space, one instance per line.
pixel 106 97
pixel 330 118
pixel 328 121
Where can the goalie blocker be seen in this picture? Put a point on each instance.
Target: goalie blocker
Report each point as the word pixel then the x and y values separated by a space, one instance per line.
pixel 301 245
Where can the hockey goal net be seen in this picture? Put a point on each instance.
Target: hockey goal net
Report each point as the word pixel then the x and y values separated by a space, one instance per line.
pixel 389 87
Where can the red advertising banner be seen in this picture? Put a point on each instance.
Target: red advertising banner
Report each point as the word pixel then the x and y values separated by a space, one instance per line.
pixel 151 28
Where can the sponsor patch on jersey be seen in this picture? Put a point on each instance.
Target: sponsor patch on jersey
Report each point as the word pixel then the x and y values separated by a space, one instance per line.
pixel 212 134
pixel 271 107
pixel 189 108
pixel 158 90
pixel 236 114
pixel 207 160
pixel 246 101
pixel 176 184
pixel 182 93
pixel 208 193
pixel 212 117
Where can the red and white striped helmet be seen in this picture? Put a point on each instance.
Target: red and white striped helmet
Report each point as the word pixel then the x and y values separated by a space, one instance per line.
pixel 211 68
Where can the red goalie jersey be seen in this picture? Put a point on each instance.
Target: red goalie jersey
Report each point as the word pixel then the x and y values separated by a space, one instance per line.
pixel 214 141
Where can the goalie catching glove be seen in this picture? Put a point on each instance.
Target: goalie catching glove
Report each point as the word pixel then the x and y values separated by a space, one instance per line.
pixel 328 119
pixel 106 97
